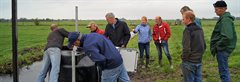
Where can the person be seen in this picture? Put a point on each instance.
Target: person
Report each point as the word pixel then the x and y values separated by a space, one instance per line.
pixel 161 34
pixel 197 20
pixel 94 28
pixel 102 51
pixel 52 54
pixel 193 44
pixel 144 38
pixel 117 31
pixel 223 39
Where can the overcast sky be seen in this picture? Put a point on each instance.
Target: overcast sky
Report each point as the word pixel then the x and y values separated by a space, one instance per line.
pixel 129 9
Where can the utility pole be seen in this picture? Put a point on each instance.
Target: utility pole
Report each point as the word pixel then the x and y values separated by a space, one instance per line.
pixel 14 41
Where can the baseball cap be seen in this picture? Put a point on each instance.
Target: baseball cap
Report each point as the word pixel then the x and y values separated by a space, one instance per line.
pixel 220 4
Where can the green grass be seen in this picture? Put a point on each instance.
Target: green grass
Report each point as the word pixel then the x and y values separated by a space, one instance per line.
pixel 32 39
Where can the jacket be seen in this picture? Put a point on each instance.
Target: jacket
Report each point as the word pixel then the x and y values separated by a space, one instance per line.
pixel 99 31
pixel 161 32
pixel 144 32
pixel 193 44
pixel 119 35
pixel 56 38
pixel 224 36
pixel 101 50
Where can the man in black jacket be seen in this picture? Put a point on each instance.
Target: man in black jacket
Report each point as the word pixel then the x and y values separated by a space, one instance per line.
pixel 193 48
pixel 117 31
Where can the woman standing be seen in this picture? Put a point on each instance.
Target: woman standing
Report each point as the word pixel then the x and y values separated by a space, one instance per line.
pixel 144 37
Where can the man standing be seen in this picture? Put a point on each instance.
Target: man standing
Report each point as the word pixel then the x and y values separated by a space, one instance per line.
pixel 102 51
pixel 161 34
pixel 52 54
pixel 94 28
pixel 223 40
pixel 117 31
pixel 193 48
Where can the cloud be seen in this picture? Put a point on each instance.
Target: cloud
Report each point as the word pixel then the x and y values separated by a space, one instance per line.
pixel 96 9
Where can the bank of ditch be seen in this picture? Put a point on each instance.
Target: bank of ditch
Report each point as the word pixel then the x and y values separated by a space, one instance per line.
pixel 26 56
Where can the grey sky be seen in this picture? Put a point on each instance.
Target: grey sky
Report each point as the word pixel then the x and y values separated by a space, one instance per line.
pixel 96 9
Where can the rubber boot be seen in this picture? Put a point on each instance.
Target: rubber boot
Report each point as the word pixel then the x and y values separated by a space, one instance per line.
pixel 147 62
pixel 160 63
pixel 170 62
pixel 141 62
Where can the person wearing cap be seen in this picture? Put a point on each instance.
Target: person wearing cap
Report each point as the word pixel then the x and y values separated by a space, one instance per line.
pixel 94 28
pixel 194 46
pixel 144 38
pixel 117 31
pixel 223 39
pixel 197 20
pixel 161 34
pixel 102 51
pixel 52 54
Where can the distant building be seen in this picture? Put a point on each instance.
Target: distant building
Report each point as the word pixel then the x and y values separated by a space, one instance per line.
pixel 178 22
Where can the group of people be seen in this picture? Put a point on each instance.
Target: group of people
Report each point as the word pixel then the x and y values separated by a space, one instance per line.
pixel 222 44
pixel 100 45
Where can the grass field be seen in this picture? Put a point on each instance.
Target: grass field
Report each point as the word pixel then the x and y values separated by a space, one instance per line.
pixel 32 39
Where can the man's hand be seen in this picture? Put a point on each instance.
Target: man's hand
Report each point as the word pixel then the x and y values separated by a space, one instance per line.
pixel 123 46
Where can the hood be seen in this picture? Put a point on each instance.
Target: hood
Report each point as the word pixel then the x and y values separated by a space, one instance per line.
pixel 227 14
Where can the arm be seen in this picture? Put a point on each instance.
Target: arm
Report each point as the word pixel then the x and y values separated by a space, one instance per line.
pixel 63 32
pixel 93 52
pixel 150 34
pixel 136 30
pixel 154 33
pixel 168 32
pixel 106 32
pixel 186 44
pixel 226 34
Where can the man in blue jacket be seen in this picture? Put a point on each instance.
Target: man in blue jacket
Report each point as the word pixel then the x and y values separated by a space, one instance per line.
pixel 102 51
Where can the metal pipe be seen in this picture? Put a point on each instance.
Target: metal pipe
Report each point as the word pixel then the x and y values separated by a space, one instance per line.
pixel 14 41
pixel 76 19
pixel 73 64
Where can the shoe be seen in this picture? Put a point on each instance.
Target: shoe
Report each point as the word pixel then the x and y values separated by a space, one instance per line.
pixel 147 62
pixel 171 66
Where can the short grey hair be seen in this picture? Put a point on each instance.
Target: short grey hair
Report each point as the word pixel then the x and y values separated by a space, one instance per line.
pixel 110 15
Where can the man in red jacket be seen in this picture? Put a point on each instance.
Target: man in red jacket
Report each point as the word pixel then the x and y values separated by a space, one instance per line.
pixel 161 34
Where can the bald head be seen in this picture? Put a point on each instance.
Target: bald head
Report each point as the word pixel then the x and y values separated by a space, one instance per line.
pixel 53 27
pixel 158 20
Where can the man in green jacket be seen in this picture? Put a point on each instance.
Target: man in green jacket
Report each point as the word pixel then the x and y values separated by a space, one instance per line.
pixel 223 40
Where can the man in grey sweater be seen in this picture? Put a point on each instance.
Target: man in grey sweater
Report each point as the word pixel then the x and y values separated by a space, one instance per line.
pixel 52 54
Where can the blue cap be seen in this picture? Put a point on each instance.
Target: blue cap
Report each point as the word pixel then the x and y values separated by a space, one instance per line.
pixel 72 37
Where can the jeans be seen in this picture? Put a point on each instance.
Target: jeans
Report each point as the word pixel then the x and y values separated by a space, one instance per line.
pixel 52 57
pixel 112 75
pixel 164 44
pixel 142 47
pixel 192 72
pixel 222 59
